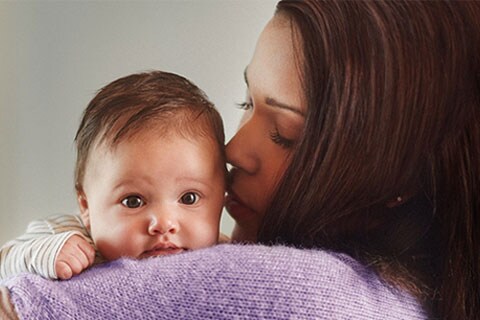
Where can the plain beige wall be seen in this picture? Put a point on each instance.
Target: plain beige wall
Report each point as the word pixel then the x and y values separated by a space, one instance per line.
pixel 55 55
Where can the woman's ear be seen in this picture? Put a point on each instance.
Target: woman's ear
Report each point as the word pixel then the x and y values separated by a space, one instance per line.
pixel 395 202
pixel 83 205
pixel 401 199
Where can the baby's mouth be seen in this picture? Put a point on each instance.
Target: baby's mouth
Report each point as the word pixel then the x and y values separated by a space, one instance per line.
pixel 161 250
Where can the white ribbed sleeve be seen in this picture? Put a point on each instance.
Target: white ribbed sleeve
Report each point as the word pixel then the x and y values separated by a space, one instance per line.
pixel 36 250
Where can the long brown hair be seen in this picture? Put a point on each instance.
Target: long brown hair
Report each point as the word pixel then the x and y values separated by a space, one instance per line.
pixel 393 93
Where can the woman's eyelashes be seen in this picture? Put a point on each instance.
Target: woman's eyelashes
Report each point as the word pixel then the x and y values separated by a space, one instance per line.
pixel 247 105
pixel 280 140
pixel 275 135
pixel 133 202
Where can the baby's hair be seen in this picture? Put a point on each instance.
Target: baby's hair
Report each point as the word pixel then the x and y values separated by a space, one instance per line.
pixel 158 101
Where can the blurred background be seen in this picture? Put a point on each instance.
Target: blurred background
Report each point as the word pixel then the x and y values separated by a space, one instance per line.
pixel 55 55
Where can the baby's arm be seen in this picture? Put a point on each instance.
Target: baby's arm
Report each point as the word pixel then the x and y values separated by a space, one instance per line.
pixel 44 243
pixel 7 311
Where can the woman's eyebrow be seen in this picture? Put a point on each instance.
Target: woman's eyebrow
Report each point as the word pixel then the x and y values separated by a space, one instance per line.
pixel 274 103
pixel 245 76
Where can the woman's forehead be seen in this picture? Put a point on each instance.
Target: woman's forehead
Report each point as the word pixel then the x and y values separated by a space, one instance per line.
pixel 275 69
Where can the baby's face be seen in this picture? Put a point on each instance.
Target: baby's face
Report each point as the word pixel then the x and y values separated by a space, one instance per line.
pixel 153 196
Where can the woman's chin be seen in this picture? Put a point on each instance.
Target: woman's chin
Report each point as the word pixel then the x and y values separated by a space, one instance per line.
pixel 244 235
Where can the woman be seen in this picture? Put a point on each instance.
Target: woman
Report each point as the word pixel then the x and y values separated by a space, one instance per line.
pixel 387 167
pixel 361 138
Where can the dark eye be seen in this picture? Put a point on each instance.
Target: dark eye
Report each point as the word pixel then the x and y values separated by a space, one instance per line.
pixel 133 202
pixel 245 105
pixel 189 198
pixel 281 141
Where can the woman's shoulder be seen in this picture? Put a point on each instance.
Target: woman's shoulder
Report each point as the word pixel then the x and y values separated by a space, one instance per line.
pixel 302 282
pixel 245 281
pixel 328 282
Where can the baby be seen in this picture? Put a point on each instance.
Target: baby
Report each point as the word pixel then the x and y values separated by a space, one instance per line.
pixel 150 181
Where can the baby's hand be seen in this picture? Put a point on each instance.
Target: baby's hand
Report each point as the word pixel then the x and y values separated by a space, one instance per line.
pixel 75 256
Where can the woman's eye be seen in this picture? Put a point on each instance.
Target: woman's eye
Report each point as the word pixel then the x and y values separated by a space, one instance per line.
pixel 133 202
pixel 281 141
pixel 189 198
pixel 247 105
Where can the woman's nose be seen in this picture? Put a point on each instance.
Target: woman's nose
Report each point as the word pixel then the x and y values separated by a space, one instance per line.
pixel 241 149
pixel 161 224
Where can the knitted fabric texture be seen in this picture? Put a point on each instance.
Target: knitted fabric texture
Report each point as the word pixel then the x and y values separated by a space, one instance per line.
pixel 222 282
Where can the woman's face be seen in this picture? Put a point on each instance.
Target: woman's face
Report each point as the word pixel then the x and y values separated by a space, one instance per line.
pixel 272 123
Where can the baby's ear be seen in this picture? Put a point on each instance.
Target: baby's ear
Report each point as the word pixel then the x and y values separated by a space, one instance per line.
pixel 83 205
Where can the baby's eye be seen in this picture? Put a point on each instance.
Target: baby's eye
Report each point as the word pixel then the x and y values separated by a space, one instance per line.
pixel 189 198
pixel 133 202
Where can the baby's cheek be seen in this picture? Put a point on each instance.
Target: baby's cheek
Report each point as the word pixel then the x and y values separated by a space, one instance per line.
pixel 118 241
pixel 204 236
pixel 107 249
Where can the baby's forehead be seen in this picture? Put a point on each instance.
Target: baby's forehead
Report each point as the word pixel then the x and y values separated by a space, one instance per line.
pixel 161 136
pixel 167 131
pixel 197 153
pixel 167 135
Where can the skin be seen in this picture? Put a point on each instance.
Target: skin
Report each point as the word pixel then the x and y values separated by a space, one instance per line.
pixel 146 198
pixel 75 256
pixel 273 121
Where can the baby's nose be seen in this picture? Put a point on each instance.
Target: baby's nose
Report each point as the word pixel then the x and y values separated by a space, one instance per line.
pixel 162 225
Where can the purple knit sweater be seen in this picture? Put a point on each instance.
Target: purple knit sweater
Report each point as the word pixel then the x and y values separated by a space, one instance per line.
pixel 222 282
